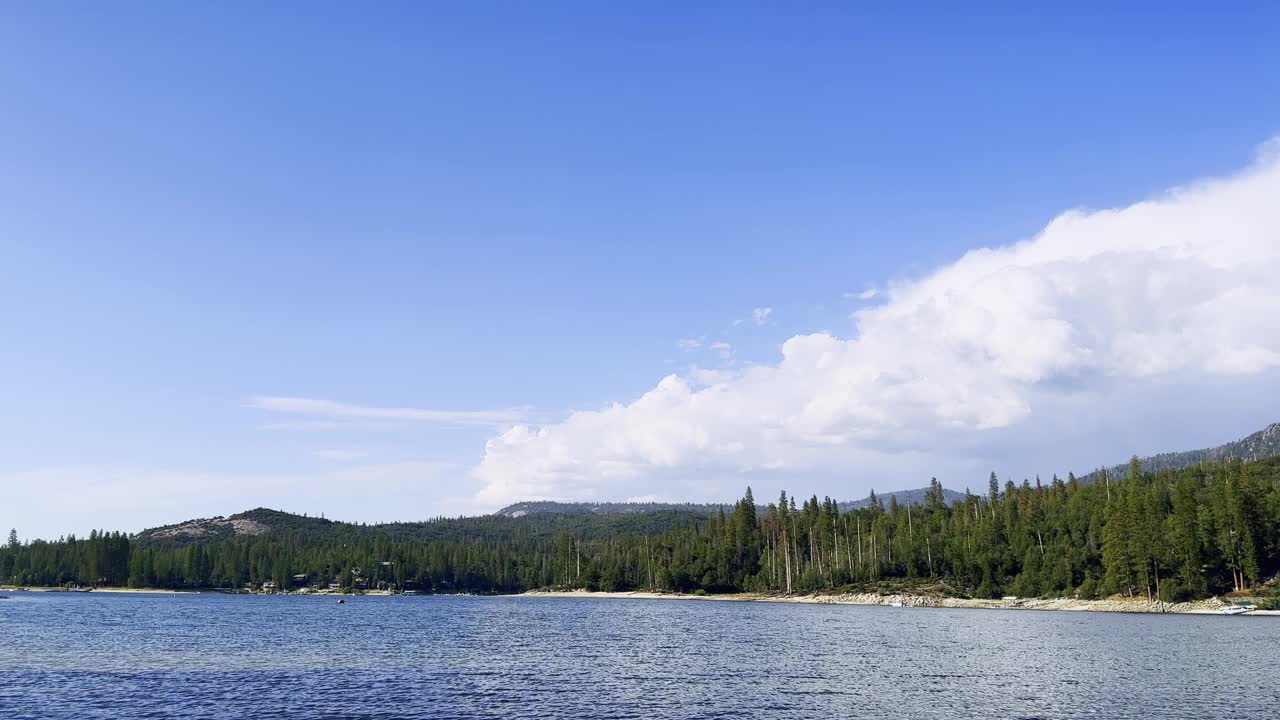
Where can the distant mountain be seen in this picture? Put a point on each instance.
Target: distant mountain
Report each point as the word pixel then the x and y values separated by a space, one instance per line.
pixel 904 497
pixel 523 509
pixel 547 520
pixel 543 518
pixel 1262 444
pixel 537 526
pixel 246 524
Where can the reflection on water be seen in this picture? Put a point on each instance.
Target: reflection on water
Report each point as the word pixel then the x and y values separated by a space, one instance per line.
pixel 157 656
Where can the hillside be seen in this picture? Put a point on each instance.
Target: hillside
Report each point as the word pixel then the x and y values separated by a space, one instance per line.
pixel 545 520
pixel 527 520
pixel 543 526
pixel 904 497
pixel 1263 444
pixel 246 524
pixel 1176 535
pixel 523 509
pixel 536 507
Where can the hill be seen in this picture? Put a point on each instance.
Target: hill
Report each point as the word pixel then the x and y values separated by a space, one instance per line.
pixel 904 497
pixel 536 507
pixel 702 510
pixel 538 527
pixel 1263 444
pixel 526 520
pixel 246 524
pixel 1201 531
pixel 545 520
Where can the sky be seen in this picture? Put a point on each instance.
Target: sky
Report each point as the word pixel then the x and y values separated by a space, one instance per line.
pixel 423 259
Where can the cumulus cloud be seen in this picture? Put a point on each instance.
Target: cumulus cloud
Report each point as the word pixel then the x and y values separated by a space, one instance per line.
pixel 327 413
pixel 867 294
pixel 1180 286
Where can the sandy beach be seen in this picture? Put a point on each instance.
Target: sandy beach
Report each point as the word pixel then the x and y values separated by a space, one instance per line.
pixel 1212 606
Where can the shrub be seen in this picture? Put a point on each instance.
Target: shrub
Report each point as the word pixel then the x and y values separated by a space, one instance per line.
pixel 1088 589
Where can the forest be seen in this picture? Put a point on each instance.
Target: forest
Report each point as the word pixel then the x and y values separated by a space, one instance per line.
pixel 1207 529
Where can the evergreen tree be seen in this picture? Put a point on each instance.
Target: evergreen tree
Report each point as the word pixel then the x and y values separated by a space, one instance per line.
pixel 1176 534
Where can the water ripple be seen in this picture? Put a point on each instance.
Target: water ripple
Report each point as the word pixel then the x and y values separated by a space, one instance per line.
pixel 212 656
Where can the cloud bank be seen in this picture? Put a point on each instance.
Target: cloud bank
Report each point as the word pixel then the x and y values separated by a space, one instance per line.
pixel 1185 286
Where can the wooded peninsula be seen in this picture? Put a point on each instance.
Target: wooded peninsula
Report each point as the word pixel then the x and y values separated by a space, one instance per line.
pixel 1170 534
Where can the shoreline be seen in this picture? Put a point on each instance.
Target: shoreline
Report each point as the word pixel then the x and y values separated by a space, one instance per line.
pixel 183 591
pixel 1212 606
pixel 137 591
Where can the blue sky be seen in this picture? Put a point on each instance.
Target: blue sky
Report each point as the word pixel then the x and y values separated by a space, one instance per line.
pixel 523 210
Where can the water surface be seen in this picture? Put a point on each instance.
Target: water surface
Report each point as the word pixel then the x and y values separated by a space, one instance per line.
pixel 99 655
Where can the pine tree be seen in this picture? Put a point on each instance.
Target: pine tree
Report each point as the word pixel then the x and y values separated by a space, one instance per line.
pixel 1179 534
pixel 1118 546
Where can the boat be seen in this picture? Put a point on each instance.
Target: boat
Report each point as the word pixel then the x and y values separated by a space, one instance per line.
pixel 896 603
pixel 1234 610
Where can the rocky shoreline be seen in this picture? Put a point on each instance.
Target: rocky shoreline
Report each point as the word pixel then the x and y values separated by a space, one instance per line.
pixel 1212 606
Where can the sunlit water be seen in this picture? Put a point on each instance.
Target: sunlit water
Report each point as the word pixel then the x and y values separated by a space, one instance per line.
pixel 213 656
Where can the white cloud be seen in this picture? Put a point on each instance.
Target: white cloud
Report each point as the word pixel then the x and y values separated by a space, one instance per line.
pixel 760 315
pixel 723 349
pixel 688 344
pixel 708 376
pixel 867 294
pixel 326 413
pixel 340 454
pixel 1148 303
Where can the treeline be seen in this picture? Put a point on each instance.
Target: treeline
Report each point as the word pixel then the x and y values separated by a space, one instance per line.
pixel 1172 534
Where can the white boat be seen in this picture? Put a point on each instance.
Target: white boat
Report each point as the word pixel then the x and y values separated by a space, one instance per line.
pixel 896 603
pixel 1234 610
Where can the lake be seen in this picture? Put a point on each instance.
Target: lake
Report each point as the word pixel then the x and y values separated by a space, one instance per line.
pixel 100 655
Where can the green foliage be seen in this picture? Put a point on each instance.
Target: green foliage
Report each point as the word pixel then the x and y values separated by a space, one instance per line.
pixel 1173 534
pixel 1088 589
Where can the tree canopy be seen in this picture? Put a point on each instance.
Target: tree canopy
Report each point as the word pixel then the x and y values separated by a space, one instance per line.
pixel 1173 534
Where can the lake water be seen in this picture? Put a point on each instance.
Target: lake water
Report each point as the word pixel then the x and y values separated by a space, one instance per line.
pixel 98 655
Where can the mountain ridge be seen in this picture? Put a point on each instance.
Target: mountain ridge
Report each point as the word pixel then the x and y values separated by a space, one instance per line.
pixel 602 517
pixel 1255 446
pixel 522 509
